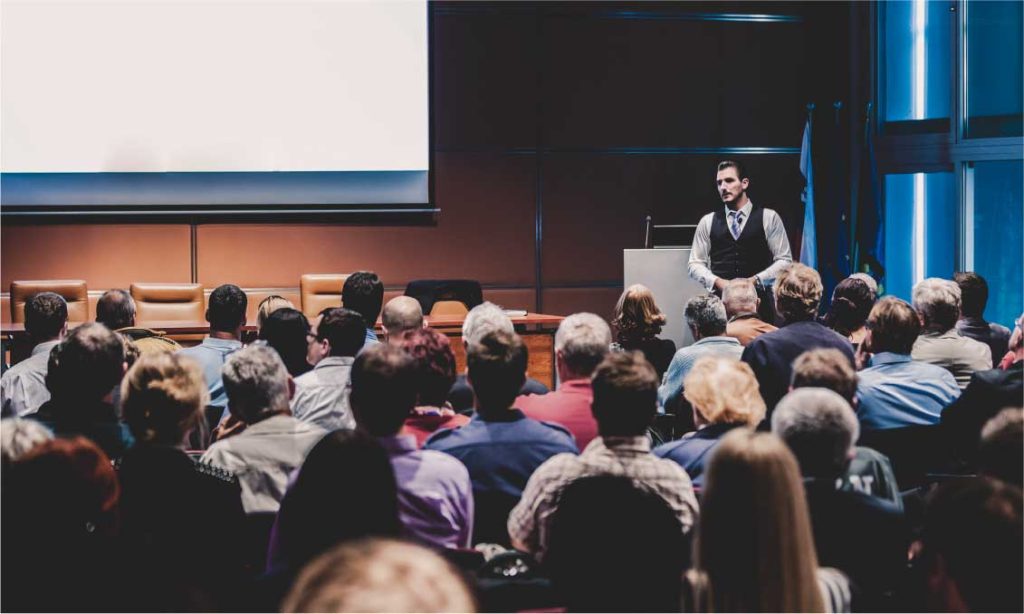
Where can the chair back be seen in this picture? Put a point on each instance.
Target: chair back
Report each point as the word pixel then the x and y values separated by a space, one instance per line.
pixel 318 291
pixel 179 302
pixel 431 291
pixel 449 308
pixel 74 292
pixel 915 451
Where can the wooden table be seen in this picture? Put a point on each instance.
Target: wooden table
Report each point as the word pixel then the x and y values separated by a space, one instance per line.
pixel 537 331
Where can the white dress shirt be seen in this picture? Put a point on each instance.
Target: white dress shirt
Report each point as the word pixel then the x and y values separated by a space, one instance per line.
pixel 321 395
pixel 775 234
pixel 23 386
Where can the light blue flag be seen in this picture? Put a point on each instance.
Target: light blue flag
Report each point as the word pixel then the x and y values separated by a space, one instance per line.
pixel 809 243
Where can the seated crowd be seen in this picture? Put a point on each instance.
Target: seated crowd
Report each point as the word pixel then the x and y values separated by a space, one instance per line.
pixel 869 458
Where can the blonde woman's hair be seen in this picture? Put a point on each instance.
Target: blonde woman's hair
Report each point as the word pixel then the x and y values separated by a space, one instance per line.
pixel 269 305
pixel 754 550
pixel 798 292
pixel 379 575
pixel 724 391
pixel 162 397
pixel 636 316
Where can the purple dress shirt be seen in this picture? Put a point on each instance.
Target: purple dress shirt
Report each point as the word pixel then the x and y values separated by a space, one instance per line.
pixel 435 495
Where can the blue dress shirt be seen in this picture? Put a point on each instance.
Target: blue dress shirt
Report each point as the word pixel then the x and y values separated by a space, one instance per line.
pixel 672 384
pixel 211 355
pixel 897 391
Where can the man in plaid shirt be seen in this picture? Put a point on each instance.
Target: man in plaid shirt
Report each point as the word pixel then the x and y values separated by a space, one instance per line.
pixel 625 401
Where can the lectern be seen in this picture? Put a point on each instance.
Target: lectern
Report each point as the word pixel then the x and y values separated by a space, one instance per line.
pixel 663 270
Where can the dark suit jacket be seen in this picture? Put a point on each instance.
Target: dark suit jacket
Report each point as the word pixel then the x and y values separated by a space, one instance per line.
pixel 987 393
pixel 995 336
pixel 772 354
pixel 461 394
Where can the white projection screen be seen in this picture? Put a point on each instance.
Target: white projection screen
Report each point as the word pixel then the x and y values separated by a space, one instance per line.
pixel 198 104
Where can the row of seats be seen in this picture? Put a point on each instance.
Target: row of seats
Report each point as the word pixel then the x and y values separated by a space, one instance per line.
pixel 186 302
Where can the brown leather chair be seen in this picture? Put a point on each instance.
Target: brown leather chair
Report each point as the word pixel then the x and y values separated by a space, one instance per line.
pixel 74 292
pixel 318 291
pixel 180 302
pixel 449 308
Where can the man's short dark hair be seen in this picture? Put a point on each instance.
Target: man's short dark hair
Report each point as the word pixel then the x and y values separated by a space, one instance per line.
pixel 625 394
pixel 226 309
pixel 497 369
pixel 86 365
pixel 894 326
pixel 45 315
pixel 825 368
pixel 383 388
pixel 344 329
pixel 973 293
pixel 972 533
pixel 741 169
pixel 116 309
pixel 363 292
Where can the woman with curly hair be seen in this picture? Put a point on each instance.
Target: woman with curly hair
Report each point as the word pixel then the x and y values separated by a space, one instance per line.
pixel 637 322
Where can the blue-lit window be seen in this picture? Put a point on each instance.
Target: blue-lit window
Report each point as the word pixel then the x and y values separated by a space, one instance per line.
pixel 915 65
pixel 995 76
pixel 994 242
pixel 920 229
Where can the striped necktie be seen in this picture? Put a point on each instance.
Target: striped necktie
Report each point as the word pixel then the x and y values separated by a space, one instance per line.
pixel 737 219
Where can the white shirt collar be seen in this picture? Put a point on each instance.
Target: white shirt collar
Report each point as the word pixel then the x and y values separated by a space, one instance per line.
pixel 747 208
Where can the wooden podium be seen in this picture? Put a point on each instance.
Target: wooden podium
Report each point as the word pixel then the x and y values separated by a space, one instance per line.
pixel 664 271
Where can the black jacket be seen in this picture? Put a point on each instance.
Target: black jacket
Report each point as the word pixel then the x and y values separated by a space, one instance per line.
pixel 987 393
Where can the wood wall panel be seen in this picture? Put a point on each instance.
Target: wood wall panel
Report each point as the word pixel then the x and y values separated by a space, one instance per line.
pixel 564 301
pixel 485 231
pixel 104 255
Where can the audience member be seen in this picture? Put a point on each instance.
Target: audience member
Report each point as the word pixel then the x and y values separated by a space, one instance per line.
pixel 321 395
pixel 864 536
pixel 363 293
pixel 797 297
pixel 852 300
pixel 625 403
pixel 638 322
pixel 83 370
pixel 172 508
pixel 705 315
pixel 988 392
pixel 500 446
pixel 344 491
pixel 435 495
pixel 273 443
pixel 268 306
pixel 115 309
pixel 287 331
pixel 60 507
pixel 23 386
pixel 870 281
pixel 1002 447
pixel 1016 351
pixel 435 374
pixel 616 547
pixel 483 319
pixel 18 436
pixel 869 471
pixel 972 324
pixel 378 575
pixel 581 343
pixel 724 395
pixel 897 390
pixel 973 547
pixel 401 314
pixel 937 302
pixel 225 311
pixel 742 306
pixel 754 548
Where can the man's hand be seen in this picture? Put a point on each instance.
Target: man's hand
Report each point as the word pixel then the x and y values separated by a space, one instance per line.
pixel 720 284
pixel 227 428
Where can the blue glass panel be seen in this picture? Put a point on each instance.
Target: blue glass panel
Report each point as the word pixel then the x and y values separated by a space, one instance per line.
pixel 998 242
pixel 995 77
pixel 899 233
pixel 935 196
pixel 915 65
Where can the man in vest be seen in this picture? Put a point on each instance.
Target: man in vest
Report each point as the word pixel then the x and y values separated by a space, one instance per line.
pixel 739 241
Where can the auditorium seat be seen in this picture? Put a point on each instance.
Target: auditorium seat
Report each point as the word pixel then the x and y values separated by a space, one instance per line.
pixel 449 308
pixel 161 302
pixel 318 291
pixel 914 451
pixel 74 292
pixel 431 292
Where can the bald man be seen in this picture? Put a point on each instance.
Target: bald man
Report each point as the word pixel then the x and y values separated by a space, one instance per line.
pixel 401 313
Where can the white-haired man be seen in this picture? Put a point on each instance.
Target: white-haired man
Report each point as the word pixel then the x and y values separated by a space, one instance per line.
pixel 483 319
pixel 581 343
pixel 937 302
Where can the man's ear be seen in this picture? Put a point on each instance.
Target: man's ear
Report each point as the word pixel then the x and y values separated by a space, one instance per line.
pixel 206 314
pixel 124 368
pixel 291 388
pixel 745 182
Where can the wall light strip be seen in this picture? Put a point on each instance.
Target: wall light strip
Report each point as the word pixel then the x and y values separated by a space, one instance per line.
pixel 918 27
pixel 919 200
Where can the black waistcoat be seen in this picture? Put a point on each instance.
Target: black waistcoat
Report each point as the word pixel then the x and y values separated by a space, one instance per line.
pixel 743 257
